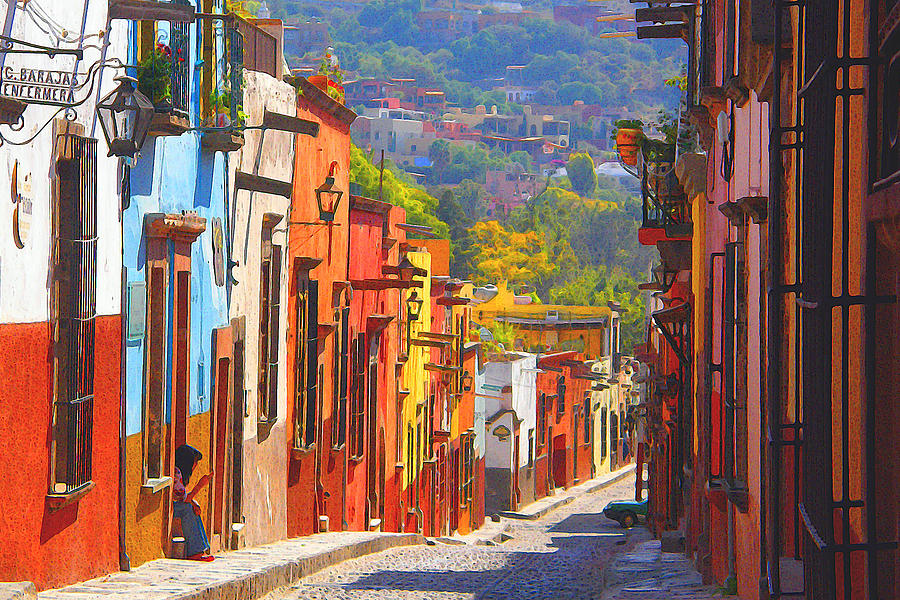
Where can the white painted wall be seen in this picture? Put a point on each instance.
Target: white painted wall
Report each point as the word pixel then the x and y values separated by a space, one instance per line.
pixel 521 374
pixel 24 273
pixel 270 154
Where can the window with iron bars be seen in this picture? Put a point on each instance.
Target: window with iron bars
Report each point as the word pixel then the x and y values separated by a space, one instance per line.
pixel 74 303
pixel 339 372
pixel 560 395
pixel 587 419
pixel 269 312
pixel 613 439
pixel 734 366
pixel 542 419
pixel 603 433
pixel 884 97
pixel 357 394
pixel 306 361
pixel 467 468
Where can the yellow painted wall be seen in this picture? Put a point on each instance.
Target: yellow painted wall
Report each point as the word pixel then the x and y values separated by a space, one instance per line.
pixel 503 305
pixel 414 376
pixel 145 513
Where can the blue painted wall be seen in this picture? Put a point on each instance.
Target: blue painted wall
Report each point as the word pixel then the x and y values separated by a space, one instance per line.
pixel 173 174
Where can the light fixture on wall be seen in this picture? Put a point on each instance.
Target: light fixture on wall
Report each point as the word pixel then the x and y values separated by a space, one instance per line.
pixel 125 116
pixel 327 210
pixel 414 306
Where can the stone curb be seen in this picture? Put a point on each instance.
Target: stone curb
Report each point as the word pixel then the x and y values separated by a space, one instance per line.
pixel 532 512
pixel 241 575
pixel 19 590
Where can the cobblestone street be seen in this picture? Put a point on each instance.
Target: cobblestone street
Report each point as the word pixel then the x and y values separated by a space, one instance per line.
pixel 561 555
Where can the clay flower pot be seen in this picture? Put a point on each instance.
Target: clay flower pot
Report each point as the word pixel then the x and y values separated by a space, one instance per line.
pixel 628 143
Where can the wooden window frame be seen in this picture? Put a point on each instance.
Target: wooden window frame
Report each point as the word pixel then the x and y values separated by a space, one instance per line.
pixel 561 395
pixel 884 169
pixel 357 410
pixel 604 445
pixel 542 419
pixel 306 361
pixel 588 422
pixel 340 363
pixel 73 310
pixel 167 363
pixel 467 470
pixel 269 345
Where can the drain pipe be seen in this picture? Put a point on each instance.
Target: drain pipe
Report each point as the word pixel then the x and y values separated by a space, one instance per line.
pixel 124 560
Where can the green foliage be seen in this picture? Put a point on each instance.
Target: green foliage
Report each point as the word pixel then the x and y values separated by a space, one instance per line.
pixel 503 333
pixel 582 174
pixel 420 207
pixel 154 75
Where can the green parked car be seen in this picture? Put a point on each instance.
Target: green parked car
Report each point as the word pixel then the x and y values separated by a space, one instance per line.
pixel 626 512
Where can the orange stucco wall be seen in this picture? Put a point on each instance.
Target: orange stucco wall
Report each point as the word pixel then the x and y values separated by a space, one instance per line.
pixel 79 541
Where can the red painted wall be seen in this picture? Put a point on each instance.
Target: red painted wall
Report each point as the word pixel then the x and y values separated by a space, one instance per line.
pixel 79 541
pixel 315 479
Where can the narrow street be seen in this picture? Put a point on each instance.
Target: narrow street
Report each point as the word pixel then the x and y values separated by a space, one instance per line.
pixel 561 555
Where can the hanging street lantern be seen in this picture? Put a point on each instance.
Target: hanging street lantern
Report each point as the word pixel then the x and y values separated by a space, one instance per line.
pixel 327 209
pixel 125 116
pixel 414 306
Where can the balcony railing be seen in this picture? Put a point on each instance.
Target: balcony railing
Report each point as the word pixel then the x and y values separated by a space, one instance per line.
pixel 665 204
pixel 181 59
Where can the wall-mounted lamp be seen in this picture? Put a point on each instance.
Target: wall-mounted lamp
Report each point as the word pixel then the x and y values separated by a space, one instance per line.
pixel 467 381
pixel 414 306
pixel 327 209
pixel 125 115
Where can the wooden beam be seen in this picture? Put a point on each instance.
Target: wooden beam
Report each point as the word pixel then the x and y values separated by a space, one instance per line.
pixel 663 14
pixel 150 10
pixel 673 31
pixel 273 120
pixel 265 185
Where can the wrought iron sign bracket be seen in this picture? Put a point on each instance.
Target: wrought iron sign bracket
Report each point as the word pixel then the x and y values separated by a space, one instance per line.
pixel 7 47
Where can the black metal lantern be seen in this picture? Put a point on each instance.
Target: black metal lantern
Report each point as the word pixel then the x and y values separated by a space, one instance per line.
pixel 414 306
pixel 664 277
pixel 327 209
pixel 467 380
pixel 406 269
pixel 125 116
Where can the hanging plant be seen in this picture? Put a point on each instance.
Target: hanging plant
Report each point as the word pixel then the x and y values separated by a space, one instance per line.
pixel 628 134
pixel 154 76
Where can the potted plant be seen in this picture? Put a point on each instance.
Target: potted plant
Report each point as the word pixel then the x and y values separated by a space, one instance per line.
pixel 330 77
pixel 628 135
pixel 154 75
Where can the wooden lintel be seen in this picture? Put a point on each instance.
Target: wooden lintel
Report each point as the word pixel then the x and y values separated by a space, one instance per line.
pixel 675 31
pixel 306 263
pixel 663 14
pixel 185 226
pixel 265 185
pixel 429 343
pixel 273 120
pixel 151 10
pixel 378 322
pixel 441 368
pixel 384 284
pixel 755 206
pixel 452 301
pixel 437 335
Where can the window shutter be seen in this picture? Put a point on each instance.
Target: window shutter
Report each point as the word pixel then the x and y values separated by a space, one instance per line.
pixel 312 361
pixel 274 335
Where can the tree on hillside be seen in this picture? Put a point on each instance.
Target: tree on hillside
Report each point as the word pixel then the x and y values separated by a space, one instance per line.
pixel 582 174
pixel 473 198
pixel 440 156
pixel 451 212
pixel 420 207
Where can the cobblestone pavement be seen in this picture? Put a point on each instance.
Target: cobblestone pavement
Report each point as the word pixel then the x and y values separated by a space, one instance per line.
pixel 560 556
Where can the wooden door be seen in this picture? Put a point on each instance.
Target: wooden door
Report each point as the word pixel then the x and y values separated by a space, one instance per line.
pixel 238 410
pixel 514 497
pixel 221 415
